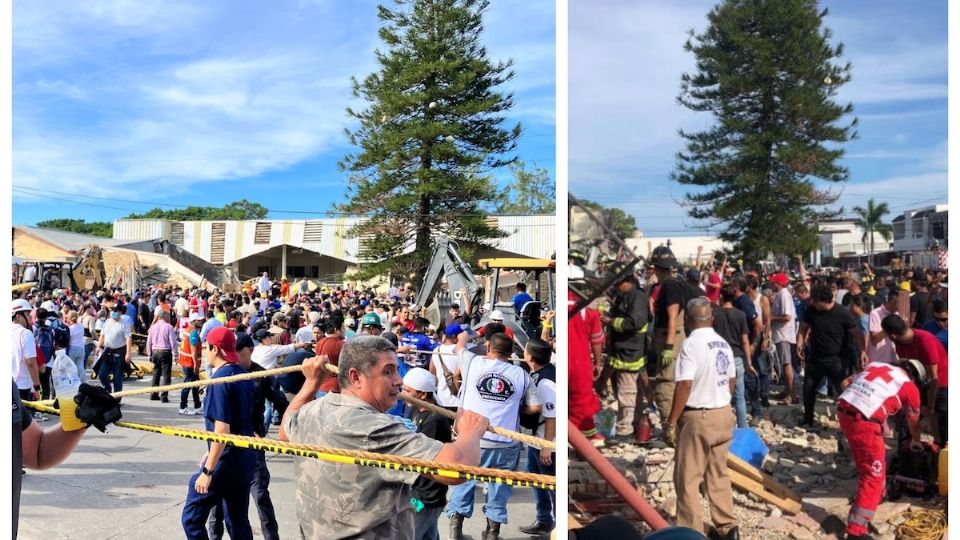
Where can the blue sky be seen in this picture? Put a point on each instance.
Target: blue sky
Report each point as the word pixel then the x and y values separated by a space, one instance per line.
pixel 626 58
pixel 204 103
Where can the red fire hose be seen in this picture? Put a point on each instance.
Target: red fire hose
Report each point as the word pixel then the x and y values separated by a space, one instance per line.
pixel 614 478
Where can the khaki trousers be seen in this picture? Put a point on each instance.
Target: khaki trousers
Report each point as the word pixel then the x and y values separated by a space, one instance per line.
pixel 626 385
pixel 703 438
pixel 663 388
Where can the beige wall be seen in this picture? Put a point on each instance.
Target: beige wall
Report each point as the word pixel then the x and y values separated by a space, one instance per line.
pixel 31 247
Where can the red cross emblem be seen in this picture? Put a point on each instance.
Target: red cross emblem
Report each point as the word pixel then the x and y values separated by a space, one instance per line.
pixel 879 372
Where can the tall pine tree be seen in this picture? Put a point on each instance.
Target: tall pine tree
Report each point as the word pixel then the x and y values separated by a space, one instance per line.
pixel 432 131
pixel 766 71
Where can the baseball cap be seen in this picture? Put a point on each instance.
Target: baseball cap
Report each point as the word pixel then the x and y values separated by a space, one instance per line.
pixel 224 339
pixel 261 334
pixel 496 315
pixel 779 278
pixel 693 274
pixel 453 330
pixel 371 319
pixel 244 341
pixel 421 380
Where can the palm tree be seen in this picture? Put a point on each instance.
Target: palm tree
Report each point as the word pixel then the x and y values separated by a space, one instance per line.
pixel 871 219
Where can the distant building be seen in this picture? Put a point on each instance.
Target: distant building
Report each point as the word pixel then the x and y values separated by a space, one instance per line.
pixel 843 237
pixel 921 229
pixel 49 245
pixel 684 247
pixel 318 248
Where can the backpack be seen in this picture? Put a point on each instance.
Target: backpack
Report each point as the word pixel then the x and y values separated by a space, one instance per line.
pixel 532 421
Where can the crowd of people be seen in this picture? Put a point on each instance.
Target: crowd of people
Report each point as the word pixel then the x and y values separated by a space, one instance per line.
pixel 382 345
pixel 703 347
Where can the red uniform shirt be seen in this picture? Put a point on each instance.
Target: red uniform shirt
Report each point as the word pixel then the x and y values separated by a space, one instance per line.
pixel 929 351
pixel 714 282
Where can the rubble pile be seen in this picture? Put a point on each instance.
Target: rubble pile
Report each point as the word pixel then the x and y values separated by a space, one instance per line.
pixel 816 464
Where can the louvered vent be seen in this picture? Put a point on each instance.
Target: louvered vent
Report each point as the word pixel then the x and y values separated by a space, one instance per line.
pixel 492 221
pixel 217 240
pixel 262 233
pixel 313 231
pixel 362 257
pixel 176 234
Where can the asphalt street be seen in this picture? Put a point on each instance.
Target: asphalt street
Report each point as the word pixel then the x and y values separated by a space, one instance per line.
pixel 132 484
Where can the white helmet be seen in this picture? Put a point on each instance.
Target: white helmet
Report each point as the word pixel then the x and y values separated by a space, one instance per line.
pixel 919 367
pixel 21 305
pixel 496 315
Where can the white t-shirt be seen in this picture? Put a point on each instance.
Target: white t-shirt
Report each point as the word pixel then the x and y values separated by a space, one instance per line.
pixel 445 398
pixel 114 334
pixel 266 355
pixel 304 335
pixel 706 359
pixel 783 305
pixel 884 350
pixel 495 389
pixel 24 346
pixel 547 390
pixel 76 335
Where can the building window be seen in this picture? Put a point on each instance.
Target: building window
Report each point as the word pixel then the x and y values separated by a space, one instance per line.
pixel 261 234
pixel 218 238
pixel 899 231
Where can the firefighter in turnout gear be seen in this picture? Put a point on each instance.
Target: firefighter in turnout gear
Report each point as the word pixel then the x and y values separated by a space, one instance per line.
pixel 627 324
pixel 875 393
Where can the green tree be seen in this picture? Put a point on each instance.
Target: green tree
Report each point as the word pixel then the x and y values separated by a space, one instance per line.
pixel 871 220
pixel 619 221
pixel 429 137
pixel 768 74
pixel 531 192
pixel 95 228
pixel 235 211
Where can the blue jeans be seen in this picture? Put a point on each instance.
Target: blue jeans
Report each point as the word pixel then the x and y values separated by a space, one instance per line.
pixel 112 363
pixel 739 399
pixel 268 410
pixel 76 354
pixel 189 375
pixel 758 387
pixel 228 488
pixel 546 499
pixel 425 524
pixel 261 497
pixel 461 497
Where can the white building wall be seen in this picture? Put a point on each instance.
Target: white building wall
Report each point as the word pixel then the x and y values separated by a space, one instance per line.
pixel 684 247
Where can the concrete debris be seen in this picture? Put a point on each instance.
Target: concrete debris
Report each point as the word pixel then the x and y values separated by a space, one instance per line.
pixel 817 465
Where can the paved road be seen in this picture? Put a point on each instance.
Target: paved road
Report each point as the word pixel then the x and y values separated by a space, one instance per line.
pixel 132 484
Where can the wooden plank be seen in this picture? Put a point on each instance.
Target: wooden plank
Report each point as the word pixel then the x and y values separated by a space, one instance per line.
pixel 771 485
pixel 749 485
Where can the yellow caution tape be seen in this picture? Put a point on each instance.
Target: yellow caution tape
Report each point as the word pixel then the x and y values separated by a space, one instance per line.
pixel 382 461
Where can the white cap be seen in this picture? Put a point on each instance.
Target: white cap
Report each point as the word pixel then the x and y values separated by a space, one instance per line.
pixel 496 315
pixel 48 305
pixel 21 305
pixel 420 380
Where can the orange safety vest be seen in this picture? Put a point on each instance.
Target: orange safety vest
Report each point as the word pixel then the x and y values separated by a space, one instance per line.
pixel 186 354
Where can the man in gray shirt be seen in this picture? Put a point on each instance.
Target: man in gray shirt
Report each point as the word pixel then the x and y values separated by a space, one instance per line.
pixel 336 500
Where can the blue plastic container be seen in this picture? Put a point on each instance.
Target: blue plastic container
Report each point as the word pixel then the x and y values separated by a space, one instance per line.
pixel 748 446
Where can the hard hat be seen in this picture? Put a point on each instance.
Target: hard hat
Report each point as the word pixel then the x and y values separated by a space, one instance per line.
pixel 919 367
pixel 21 305
pixel 496 315
pixel 662 257
pixel 421 380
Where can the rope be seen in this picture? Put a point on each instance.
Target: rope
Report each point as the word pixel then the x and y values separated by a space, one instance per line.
pixel 519 437
pixel 340 455
pixel 923 525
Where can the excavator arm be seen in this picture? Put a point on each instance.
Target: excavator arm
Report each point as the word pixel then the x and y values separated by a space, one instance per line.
pixel 446 265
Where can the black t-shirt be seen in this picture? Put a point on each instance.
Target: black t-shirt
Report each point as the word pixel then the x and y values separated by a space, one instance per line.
pixel 673 291
pixel 731 324
pixel 829 331
pixel 921 305
pixel 293 382
pixel 432 494
pixel 21 421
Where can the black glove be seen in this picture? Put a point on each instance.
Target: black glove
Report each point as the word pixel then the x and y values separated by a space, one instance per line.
pixel 95 406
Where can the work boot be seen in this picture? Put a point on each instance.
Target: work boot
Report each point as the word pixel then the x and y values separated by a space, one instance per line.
pixel 492 532
pixel 456 526
pixel 537 528
pixel 732 534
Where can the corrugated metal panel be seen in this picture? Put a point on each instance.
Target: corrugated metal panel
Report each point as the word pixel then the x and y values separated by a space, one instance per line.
pixel 141 229
pixel 217 239
pixel 529 236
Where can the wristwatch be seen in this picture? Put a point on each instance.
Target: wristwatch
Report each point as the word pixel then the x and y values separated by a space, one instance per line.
pixel 206 471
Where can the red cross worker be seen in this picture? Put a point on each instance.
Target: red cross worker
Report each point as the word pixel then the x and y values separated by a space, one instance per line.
pixel 873 394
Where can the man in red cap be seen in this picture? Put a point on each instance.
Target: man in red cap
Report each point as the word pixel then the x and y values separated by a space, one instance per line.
pixel 227 471
pixel 783 322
